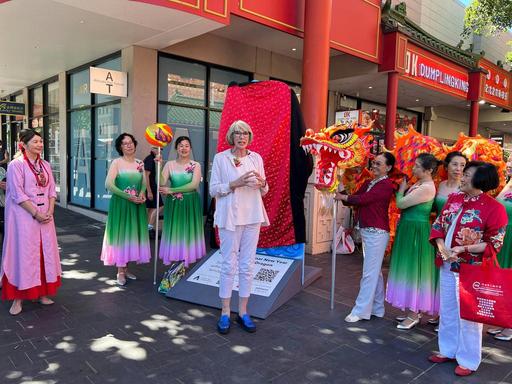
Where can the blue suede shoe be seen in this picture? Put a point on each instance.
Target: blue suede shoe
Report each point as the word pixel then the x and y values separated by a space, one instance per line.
pixel 223 324
pixel 246 323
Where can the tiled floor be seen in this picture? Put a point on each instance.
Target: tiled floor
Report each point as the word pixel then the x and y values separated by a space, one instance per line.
pixel 100 333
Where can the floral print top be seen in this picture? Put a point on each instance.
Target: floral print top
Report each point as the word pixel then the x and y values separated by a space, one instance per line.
pixel 481 219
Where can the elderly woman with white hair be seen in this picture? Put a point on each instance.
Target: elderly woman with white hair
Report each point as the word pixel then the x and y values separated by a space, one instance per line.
pixel 238 184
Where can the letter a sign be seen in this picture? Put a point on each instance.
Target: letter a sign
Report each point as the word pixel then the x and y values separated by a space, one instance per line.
pixel 108 82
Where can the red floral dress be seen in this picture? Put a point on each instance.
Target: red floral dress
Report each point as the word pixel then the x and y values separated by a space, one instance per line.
pixel 481 219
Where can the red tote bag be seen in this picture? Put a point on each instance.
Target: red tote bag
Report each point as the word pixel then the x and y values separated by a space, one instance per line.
pixel 486 292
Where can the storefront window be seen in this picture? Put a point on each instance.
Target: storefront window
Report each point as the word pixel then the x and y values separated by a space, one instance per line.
pixel 19 99
pixel 192 106
pixel 219 81
pixel 37 101
pixel 53 97
pixel 213 137
pixel 54 149
pixel 404 117
pixel 44 118
pixel 182 82
pixel 347 103
pixel 107 128
pixel 79 89
pixel 95 122
pixel 80 158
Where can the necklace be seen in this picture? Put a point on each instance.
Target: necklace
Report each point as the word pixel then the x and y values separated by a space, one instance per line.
pixel 39 171
pixel 237 161
pixel 468 197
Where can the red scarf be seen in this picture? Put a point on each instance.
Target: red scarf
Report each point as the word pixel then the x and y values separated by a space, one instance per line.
pixel 41 179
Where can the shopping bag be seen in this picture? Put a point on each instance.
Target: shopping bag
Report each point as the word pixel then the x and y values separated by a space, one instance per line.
pixel 344 242
pixel 175 272
pixel 485 291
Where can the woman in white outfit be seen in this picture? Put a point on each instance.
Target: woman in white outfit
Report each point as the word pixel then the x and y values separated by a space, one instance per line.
pixel 372 203
pixel 238 184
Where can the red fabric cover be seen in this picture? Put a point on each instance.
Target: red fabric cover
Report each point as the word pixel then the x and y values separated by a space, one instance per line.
pixel 485 292
pixel 265 106
pixel 10 292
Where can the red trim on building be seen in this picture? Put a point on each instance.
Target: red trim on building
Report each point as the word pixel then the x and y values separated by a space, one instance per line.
pixel 355 24
pixel 217 10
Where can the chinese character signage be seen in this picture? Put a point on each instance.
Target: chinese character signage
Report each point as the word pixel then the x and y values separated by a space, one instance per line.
pixel 497 84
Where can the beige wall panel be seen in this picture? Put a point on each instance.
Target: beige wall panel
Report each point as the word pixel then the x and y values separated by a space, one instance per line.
pixel 232 54
pixel 138 110
pixel 450 121
pixel 215 49
pixel 286 68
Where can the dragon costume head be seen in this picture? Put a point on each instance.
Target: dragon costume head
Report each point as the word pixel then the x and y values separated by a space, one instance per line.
pixel 336 147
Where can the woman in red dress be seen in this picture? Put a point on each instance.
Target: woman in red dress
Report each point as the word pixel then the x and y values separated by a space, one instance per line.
pixel 470 221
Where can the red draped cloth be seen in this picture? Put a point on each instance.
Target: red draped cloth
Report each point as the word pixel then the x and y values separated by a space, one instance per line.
pixel 266 107
pixel 11 292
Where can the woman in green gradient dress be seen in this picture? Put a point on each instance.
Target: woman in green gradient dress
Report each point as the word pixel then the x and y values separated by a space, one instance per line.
pixel 183 231
pixel 126 234
pixel 411 279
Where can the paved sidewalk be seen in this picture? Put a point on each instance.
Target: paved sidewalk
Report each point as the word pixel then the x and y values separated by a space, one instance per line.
pixel 100 333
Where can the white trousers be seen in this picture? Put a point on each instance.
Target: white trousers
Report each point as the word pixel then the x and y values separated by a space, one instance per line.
pixel 458 339
pixel 238 251
pixel 370 300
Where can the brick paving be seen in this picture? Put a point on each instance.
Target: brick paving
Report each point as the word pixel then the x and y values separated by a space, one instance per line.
pixel 100 333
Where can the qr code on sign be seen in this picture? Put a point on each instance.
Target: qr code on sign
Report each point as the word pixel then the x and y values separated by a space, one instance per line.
pixel 266 275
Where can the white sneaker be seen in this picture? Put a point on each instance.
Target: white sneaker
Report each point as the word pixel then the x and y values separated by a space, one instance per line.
pixel 352 318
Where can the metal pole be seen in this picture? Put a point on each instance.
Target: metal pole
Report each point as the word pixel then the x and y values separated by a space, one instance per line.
pixel 158 166
pixel 303 266
pixel 333 263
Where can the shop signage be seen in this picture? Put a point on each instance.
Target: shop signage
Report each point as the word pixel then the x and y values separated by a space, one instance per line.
pixel 347 117
pixel 423 67
pixel 108 82
pixel 268 272
pixel 497 138
pixel 497 85
pixel 10 108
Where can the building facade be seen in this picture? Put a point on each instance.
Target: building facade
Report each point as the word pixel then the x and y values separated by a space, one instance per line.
pixel 180 56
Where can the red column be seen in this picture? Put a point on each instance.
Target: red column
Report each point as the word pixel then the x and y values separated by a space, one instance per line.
pixel 391 104
pixel 315 62
pixel 473 118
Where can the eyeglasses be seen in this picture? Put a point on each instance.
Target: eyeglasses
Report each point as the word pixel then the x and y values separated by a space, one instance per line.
pixel 377 163
pixel 127 144
pixel 238 133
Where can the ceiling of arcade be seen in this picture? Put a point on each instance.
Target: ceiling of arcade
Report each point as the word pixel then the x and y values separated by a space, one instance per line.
pixel 50 36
